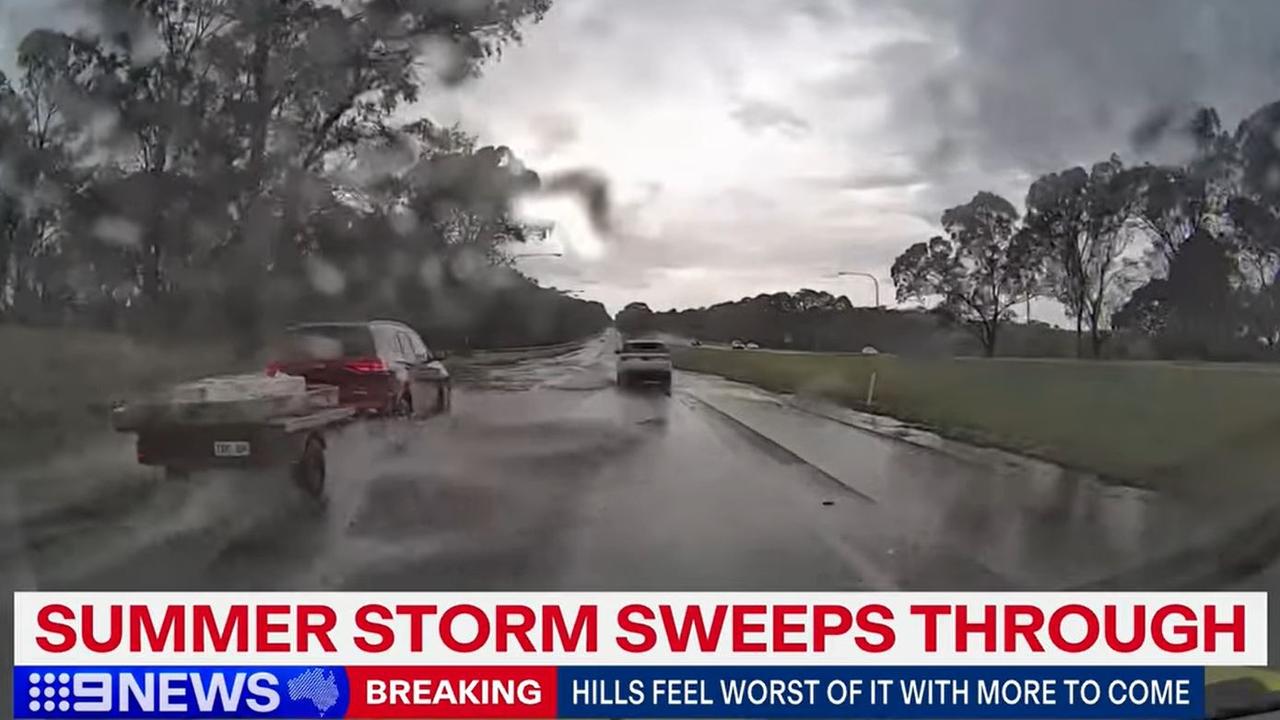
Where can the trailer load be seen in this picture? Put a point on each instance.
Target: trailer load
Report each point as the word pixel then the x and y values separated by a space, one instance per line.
pixel 236 422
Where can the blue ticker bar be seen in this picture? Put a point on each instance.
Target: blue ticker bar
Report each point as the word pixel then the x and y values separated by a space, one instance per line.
pixel 881 692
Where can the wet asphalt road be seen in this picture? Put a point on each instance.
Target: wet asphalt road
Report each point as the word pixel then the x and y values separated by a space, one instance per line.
pixel 548 476
pixel 545 475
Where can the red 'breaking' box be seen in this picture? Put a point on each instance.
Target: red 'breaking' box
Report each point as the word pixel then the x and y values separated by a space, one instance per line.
pixel 454 692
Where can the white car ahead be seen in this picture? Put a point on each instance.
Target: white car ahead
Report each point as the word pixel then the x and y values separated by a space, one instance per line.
pixel 644 361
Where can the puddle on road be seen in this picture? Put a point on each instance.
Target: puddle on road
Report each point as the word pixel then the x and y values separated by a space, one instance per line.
pixel 583 382
pixel 170 537
pixel 1034 524
pixel 396 506
pixel 498 473
pixel 584 369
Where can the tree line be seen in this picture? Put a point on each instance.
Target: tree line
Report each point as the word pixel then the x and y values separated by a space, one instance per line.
pixel 818 321
pixel 227 166
pixel 1185 256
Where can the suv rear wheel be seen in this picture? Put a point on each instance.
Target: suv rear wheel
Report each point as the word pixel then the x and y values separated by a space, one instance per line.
pixel 401 406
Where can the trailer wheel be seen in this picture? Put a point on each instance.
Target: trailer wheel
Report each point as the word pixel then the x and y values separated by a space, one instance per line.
pixel 309 471
pixel 403 405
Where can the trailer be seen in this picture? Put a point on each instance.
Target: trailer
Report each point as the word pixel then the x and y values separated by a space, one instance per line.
pixel 244 422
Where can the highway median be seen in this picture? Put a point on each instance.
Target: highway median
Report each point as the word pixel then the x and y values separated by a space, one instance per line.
pixel 1196 430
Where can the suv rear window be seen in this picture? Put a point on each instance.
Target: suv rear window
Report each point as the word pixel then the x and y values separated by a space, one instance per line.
pixel 328 341
pixel 644 347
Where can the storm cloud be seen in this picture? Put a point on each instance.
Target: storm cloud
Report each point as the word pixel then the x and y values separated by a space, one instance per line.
pixel 757 115
pixel 811 129
pixel 1031 84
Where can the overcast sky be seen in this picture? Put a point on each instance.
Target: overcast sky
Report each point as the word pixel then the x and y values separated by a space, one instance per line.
pixel 761 145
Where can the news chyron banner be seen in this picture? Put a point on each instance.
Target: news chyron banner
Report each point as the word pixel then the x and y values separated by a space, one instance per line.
pixel 627 655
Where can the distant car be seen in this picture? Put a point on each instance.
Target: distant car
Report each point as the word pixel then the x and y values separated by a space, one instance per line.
pixel 752 346
pixel 695 342
pixel 644 361
pixel 380 368
pixel 868 350
pixel 738 345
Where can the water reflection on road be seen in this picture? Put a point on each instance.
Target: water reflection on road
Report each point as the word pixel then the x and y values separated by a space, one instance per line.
pixel 547 476
pixel 948 515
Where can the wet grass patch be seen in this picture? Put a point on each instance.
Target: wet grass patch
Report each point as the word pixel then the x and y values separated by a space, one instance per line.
pixel 57 385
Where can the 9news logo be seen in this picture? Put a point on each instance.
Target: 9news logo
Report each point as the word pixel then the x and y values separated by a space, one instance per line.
pixel 188 692
pixel 48 692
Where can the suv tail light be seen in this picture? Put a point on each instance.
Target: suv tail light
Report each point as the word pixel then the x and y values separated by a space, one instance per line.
pixel 366 366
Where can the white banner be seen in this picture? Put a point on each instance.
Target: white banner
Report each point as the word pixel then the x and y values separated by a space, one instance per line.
pixel 570 628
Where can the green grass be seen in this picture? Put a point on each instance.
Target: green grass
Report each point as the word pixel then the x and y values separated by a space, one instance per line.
pixel 56 385
pixel 1147 423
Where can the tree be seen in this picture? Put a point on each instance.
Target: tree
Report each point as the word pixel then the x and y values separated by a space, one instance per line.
pixel 1147 310
pixel 981 270
pixel 1058 221
pixel 36 137
pixel 1200 291
pixel 1078 223
pixel 1107 274
pixel 1167 204
pixel 1254 214
pixel 1192 312
pixel 1185 210
pixel 1171 203
pixel 255 168
pixel 233 120
pixel 13 144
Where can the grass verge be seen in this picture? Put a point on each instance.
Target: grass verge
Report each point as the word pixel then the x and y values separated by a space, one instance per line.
pixel 56 385
pixel 1165 425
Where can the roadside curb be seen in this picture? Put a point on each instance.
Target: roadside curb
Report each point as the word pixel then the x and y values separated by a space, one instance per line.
pixel 737 422
pixel 891 428
pixel 898 431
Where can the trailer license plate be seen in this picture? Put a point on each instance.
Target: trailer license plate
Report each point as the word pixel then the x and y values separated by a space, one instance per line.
pixel 234 448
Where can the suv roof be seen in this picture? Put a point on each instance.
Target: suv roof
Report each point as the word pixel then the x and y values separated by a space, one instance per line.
pixel 352 339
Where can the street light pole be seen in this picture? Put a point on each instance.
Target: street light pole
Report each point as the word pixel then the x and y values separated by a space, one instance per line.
pixel 873 278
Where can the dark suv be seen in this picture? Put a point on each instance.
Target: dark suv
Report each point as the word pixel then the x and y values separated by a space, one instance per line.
pixel 380 367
